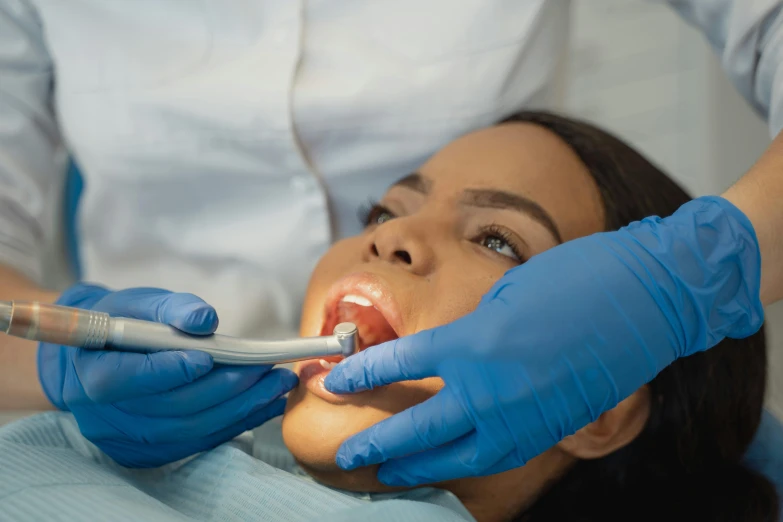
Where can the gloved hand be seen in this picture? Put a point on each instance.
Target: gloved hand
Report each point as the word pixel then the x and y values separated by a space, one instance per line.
pixel 146 410
pixel 558 341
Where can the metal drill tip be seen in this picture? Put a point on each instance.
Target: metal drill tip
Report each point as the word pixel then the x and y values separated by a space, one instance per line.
pixel 348 336
pixel 6 311
pixel 345 329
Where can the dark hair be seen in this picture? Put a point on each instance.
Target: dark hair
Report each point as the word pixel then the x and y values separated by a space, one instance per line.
pixel 705 409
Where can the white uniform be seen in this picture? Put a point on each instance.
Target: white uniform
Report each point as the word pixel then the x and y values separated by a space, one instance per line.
pixel 226 143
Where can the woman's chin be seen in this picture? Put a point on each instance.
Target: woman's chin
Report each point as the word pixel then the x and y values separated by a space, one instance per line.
pixel 313 432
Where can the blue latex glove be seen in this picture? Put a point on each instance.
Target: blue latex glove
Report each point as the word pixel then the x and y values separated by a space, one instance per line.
pixel 558 341
pixel 148 410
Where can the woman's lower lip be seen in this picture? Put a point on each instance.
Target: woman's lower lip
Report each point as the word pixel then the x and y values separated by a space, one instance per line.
pixel 312 375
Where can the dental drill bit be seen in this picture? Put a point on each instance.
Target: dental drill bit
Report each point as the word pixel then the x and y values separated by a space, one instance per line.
pixel 92 330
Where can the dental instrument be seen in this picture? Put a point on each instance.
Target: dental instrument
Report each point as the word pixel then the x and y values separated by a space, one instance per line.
pixel 92 330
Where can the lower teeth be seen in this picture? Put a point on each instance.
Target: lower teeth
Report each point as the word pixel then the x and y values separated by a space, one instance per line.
pixel 327 365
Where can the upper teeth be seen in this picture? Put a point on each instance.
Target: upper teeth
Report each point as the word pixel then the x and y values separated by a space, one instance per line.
pixel 357 299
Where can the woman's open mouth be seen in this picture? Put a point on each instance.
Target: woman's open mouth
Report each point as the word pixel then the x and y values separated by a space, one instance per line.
pixel 362 299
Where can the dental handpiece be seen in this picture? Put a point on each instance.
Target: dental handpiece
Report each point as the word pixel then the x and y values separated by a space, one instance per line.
pixel 92 330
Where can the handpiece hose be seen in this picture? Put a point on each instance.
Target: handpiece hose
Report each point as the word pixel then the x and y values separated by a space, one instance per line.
pixel 92 330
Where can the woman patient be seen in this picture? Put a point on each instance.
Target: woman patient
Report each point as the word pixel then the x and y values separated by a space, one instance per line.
pixel 438 240
pixel 434 244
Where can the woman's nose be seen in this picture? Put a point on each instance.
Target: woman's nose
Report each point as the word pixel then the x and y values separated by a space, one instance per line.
pixel 400 241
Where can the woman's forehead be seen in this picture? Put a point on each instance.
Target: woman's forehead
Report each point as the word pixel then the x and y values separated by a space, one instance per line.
pixel 511 154
pixel 524 159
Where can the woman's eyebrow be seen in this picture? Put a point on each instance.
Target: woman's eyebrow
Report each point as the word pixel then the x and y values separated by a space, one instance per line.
pixel 487 198
pixel 415 181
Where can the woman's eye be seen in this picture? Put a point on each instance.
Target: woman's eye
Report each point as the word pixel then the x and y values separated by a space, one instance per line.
pixel 501 246
pixel 382 217
pixel 376 215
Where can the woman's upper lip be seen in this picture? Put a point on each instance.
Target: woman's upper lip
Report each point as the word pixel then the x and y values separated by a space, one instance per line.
pixel 373 288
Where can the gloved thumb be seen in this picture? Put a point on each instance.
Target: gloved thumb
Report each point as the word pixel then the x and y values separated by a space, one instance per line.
pixel 403 359
pixel 183 311
pixel 189 314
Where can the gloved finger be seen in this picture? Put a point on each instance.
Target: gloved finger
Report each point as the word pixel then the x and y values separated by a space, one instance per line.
pixel 183 311
pixel 461 458
pixel 252 421
pixel 434 422
pixel 133 455
pixel 270 387
pixel 108 376
pixel 403 359
pixel 216 387
pixel 82 295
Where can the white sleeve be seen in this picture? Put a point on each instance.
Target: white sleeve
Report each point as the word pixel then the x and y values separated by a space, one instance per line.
pixel 748 37
pixel 31 163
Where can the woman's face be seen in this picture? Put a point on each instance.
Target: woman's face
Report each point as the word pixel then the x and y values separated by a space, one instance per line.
pixel 439 239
